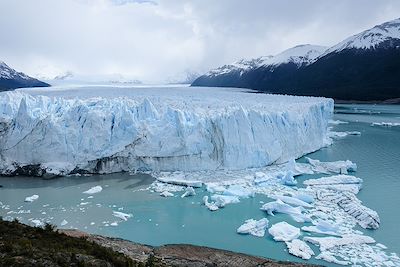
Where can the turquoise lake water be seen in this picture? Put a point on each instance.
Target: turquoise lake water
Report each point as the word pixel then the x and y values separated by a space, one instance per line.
pixel 158 220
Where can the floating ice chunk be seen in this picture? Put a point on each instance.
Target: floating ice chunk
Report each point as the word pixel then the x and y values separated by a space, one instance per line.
pixel 64 222
pixel 337 122
pixel 182 182
pixel 338 135
pixel 37 223
pixel 254 227
pixel 326 243
pixel 222 200
pixel 366 217
pixel 189 192
pixel 327 256
pixel 386 124
pixel 239 191
pixel 114 224
pixel 166 194
pixel 215 188
pixel 298 168
pixel 210 205
pixel 281 207
pixel 94 190
pixel 31 198
pixel 121 215
pixel 322 227
pixel 288 179
pixel 333 180
pixel 340 166
pixel 283 231
pixel 292 201
pixel 304 197
pixel 300 249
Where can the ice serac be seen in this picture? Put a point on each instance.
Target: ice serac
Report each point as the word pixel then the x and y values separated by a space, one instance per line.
pixel 155 129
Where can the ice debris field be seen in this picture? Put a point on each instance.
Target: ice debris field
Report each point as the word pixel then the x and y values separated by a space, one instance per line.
pixel 222 144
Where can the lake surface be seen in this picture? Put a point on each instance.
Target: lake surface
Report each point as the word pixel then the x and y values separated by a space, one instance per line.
pixel 157 220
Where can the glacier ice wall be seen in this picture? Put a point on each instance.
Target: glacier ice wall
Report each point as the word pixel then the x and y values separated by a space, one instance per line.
pixel 159 129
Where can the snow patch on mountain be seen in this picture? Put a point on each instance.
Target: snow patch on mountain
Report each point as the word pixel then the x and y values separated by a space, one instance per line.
pixel 370 38
pixel 8 73
pixel 300 55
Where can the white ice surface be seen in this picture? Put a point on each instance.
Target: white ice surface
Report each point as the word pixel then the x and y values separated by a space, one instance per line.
pixel 94 190
pixel 299 249
pixel 254 227
pixel 283 231
pixel 110 129
pixel 31 198
pixel 123 216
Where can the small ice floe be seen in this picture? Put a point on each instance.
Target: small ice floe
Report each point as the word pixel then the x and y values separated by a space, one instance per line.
pixel 94 190
pixel 292 201
pixel 114 224
pixel 327 256
pixel 283 231
pixel 322 227
pixel 31 198
pixel 238 191
pixel 279 206
pixel 340 166
pixel 254 227
pixel 215 188
pixel 210 205
pixel 303 197
pixel 219 201
pixel 337 122
pixel 339 135
pixel 121 215
pixel 188 192
pixel 288 179
pixel 180 181
pixel 64 222
pixel 385 124
pixel 36 222
pixel 300 249
pixel 166 194
pixel 92 223
pixel 365 217
pixel 334 180
pixel 90 197
pixel 326 243
pixel 84 203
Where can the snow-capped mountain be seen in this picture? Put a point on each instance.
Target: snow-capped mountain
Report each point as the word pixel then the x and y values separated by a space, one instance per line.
pixel 11 79
pixel 370 39
pixel 300 55
pixel 362 67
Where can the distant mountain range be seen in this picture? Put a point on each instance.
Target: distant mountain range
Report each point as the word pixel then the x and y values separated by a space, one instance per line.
pixel 11 79
pixel 363 67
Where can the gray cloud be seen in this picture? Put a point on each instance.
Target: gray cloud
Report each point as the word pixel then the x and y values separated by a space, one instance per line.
pixel 154 40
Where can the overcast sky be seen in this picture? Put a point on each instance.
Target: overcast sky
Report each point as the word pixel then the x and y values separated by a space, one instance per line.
pixel 155 40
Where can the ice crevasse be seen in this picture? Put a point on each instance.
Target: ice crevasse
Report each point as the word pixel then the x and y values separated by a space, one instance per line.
pixel 159 130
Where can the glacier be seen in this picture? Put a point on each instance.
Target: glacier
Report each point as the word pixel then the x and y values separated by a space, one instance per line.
pixel 61 131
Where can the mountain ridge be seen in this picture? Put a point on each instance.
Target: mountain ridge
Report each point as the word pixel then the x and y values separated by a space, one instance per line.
pixel 363 67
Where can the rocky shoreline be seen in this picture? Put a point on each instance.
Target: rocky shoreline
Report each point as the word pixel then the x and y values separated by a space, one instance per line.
pixel 179 254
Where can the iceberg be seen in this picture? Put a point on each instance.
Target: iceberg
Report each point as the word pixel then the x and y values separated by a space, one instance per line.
pixel 300 249
pixel 94 190
pixel 366 217
pixel 254 227
pixel 31 198
pixel 341 166
pixel 279 206
pixel 166 194
pixel 188 192
pixel 283 231
pixel 326 256
pixel 154 129
pixel 292 201
pixel 123 216
pixel 326 243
